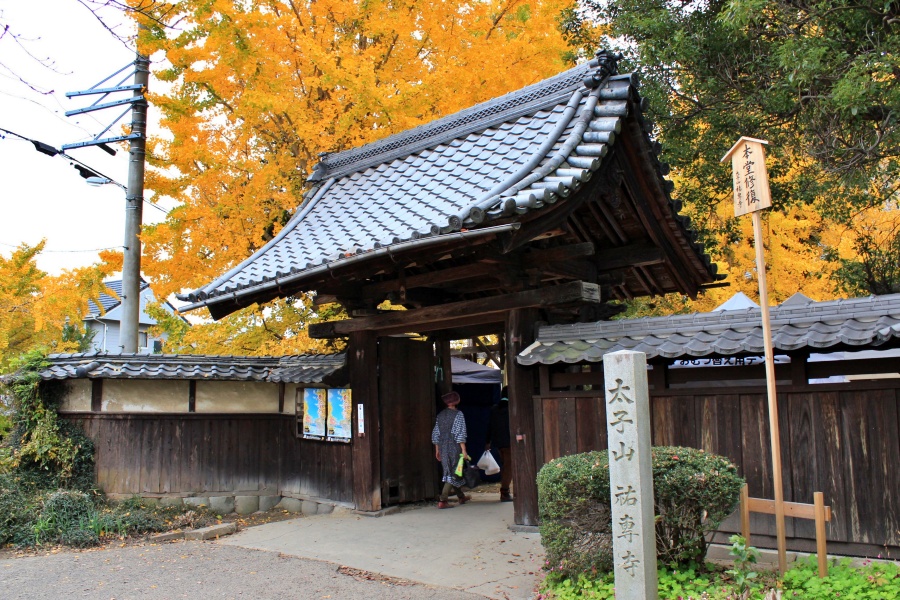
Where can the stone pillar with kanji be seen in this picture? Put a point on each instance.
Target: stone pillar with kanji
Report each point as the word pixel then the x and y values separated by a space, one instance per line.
pixel 630 474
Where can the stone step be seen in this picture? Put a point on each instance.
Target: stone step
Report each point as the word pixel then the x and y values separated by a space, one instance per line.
pixel 213 531
pixel 166 537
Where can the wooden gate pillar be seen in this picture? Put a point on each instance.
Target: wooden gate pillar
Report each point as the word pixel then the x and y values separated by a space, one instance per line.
pixel 519 335
pixel 362 362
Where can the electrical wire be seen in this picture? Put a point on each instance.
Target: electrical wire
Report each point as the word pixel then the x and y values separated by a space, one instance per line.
pixel 52 151
pixel 65 251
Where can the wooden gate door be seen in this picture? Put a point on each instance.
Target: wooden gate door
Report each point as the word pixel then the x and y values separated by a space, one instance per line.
pixel 407 398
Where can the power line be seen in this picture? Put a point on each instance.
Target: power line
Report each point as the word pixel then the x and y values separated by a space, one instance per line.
pixel 84 170
pixel 65 251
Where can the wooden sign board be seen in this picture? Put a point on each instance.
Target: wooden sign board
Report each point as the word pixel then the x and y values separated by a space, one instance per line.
pixel 748 171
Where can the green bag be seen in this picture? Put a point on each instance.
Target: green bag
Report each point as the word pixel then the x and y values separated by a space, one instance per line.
pixel 460 466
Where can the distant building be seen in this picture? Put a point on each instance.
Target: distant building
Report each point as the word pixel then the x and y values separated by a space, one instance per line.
pixel 106 323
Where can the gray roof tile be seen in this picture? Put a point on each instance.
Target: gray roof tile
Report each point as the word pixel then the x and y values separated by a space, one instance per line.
pixel 837 324
pixel 107 301
pixel 470 153
pixel 302 369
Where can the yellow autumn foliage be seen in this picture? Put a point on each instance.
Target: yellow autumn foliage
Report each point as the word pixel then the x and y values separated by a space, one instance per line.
pixel 259 89
pixel 36 307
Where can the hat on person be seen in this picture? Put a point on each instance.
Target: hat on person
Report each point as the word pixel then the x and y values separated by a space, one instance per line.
pixel 450 398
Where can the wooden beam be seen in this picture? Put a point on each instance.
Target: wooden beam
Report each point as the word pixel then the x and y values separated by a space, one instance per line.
pixel 633 255
pixel 537 258
pixel 519 334
pixel 362 361
pixel 446 315
pixel 571 269
pixel 96 395
pixel 796 510
pixel 440 277
pixel 487 351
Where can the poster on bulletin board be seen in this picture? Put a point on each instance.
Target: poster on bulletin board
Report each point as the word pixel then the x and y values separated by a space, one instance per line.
pixel 339 415
pixel 315 403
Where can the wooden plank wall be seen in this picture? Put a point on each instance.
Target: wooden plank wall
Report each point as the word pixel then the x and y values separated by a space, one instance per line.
pixel 842 441
pixel 177 454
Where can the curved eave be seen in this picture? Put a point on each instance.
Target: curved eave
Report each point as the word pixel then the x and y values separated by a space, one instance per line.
pixel 567 158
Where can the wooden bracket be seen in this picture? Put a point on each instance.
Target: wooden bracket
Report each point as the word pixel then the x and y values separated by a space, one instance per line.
pixel 816 511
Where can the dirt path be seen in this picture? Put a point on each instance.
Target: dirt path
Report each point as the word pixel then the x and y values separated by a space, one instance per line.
pixel 196 570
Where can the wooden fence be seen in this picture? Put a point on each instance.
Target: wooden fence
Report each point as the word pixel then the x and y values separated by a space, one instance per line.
pixel 840 439
pixel 213 454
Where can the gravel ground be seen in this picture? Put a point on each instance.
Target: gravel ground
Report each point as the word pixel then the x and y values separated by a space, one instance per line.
pixel 196 570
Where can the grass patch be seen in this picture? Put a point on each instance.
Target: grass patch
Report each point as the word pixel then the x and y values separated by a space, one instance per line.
pixel 872 581
pixel 34 517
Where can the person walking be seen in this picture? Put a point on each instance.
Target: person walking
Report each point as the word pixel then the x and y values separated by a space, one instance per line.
pixel 449 439
pixel 498 436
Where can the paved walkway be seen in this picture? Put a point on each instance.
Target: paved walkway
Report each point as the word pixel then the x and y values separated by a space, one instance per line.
pixel 467 548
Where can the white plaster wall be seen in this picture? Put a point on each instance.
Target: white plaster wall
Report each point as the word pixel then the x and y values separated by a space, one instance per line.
pixel 141 395
pixel 76 395
pixel 237 397
pixel 290 396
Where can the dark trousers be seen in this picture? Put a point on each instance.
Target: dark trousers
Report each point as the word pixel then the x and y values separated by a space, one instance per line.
pixel 448 488
pixel 506 471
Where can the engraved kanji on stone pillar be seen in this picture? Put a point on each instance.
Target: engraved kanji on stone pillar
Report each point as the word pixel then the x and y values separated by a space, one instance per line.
pixel 630 474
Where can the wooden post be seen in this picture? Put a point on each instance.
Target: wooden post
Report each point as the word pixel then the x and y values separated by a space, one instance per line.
pixel 821 551
pixel 96 395
pixel 192 395
pixel 520 334
pixel 752 194
pixel 362 363
pixel 745 513
pixel 772 393
pixel 442 349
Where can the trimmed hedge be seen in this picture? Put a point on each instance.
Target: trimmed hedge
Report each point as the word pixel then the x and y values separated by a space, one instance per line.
pixel 694 492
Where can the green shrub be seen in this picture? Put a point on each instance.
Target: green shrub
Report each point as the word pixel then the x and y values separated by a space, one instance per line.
pixel 694 491
pixel 45 448
pixel 576 522
pixel 20 507
pixel 68 509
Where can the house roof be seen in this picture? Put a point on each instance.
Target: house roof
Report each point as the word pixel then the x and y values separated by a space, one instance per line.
pixel 474 173
pixel 304 368
pixel 109 302
pixel 797 324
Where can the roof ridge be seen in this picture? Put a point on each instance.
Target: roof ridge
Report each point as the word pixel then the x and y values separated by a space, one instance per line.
pixel 482 116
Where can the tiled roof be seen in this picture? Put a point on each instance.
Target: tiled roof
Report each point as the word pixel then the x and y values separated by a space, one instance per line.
pixel 109 302
pixel 304 368
pixel 838 324
pixel 501 159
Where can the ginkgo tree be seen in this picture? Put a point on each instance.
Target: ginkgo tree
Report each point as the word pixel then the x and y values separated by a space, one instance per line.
pixel 254 91
pixel 38 310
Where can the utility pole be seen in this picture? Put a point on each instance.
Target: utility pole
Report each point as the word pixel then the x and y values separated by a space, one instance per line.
pixel 134 194
pixel 134 202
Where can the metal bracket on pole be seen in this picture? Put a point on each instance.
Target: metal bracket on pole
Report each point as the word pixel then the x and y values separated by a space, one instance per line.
pixel 90 92
pixel 88 109
pixel 109 140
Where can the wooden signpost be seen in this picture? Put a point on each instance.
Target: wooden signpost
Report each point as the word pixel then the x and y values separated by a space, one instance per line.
pixel 751 194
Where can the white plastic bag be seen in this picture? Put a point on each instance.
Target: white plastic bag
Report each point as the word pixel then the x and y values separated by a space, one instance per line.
pixel 488 463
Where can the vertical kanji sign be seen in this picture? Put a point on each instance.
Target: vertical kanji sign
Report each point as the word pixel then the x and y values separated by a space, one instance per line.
pixel 751 195
pixel 748 172
pixel 630 474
